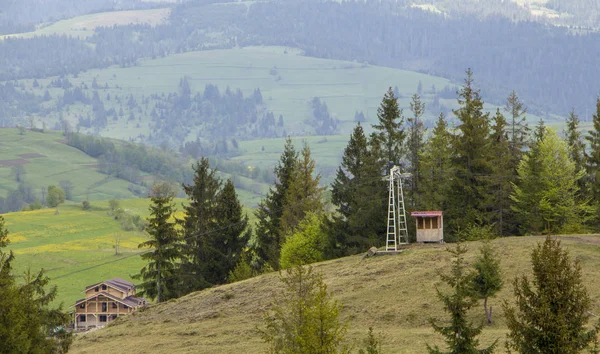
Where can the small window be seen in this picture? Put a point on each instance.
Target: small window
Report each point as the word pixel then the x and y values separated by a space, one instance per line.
pixel 82 306
pixel 434 223
pixel 81 318
pixel 114 305
pixel 421 223
pixel 125 306
pixel 104 307
pixel 102 318
pixel 113 317
pixel 97 289
pixel 103 287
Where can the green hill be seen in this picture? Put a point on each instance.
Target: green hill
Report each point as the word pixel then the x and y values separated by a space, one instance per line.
pixel 394 294
pixel 47 160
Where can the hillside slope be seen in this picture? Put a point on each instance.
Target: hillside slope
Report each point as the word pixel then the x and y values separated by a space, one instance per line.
pixel 394 294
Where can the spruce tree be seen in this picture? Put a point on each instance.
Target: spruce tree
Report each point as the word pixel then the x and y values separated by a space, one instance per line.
pixel 488 278
pixel 576 146
pixel 359 194
pixel 269 236
pixel 518 129
pixel 233 231
pixel 416 134
pixel 159 274
pixel 459 334
pixel 552 310
pixel 436 168
pixel 593 158
pixel 304 194
pixel 199 226
pixel 502 176
pixel 389 133
pixel 471 161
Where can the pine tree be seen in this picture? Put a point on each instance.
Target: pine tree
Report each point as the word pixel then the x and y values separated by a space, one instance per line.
pixel 199 225
pixel 304 194
pixel 269 236
pixel 233 231
pixel 359 193
pixel 593 158
pixel 503 174
pixel 488 278
pixel 389 133
pixel 460 334
pixel 551 311
pixel 471 161
pixel 436 168
pixel 304 318
pixel 416 134
pixel 159 274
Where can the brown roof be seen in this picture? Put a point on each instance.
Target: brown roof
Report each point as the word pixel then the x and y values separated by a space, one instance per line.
pixel 116 283
pixel 130 301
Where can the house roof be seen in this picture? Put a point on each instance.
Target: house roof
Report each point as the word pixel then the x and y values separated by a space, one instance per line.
pixel 130 301
pixel 426 213
pixel 117 283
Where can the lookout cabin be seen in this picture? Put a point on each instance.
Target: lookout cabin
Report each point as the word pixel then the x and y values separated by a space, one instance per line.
pixel 430 226
pixel 104 302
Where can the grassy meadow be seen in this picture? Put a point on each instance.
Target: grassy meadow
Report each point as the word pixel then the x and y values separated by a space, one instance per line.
pixel 47 160
pixel 394 294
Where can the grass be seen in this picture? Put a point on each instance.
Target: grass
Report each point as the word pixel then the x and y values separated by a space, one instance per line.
pixel 50 162
pixel 84 26
pixel 76 247
pixel 394 294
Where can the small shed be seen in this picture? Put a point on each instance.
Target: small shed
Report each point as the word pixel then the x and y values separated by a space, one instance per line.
pixel 430 226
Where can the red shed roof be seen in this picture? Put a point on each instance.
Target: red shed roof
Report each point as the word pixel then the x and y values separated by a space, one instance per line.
pixel 426 213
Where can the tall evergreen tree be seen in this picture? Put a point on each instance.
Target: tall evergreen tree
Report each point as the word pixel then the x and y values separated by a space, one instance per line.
pixel 518 129
pixel 551 311
pixel 304 194
pixel 359 193
pixel 544 197
pixel 233 230
pixel 416 134
pixel 436 168
pixel 471 160
pixel 502 176
pixel 159 274
pixel 460 334
pixel 488 278
pixel 593 158
pixel 199 224
pixel 389 133
pixel 576 146
pixel 269 236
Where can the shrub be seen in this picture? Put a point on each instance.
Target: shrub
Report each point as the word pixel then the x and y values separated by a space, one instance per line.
pixel 305 246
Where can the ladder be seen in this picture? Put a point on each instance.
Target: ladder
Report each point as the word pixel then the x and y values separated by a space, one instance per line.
pixel 397 232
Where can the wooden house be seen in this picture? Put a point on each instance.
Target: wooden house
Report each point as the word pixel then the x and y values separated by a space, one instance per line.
pixel 430 226
pixel 104 302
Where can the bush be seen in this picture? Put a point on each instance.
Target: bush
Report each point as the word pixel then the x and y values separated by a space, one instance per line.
pixel 305 246
pixel 85 205
pixel 35 205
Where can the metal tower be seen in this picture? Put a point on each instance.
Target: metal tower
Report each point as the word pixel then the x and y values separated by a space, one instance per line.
pixel 397 233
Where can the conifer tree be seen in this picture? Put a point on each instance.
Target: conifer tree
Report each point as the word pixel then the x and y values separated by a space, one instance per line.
pixel 233 230
pixel 269 236
pixel 304 194
pixel 304 318
pixel 389 133
pixel 416 134
pixel 359 193
pixel 518 129
pixel 552 310
pixel 159 274
pixel 488 278
pixel 460 335
pixel 436 167
pixel 576 146
pixel 593 158
pixel 199 226
pixel 501 178
pixel 471 160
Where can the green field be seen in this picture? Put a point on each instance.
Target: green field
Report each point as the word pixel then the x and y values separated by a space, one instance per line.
pixel 76 247
pixel 47 160
pixel 394 294
pixel 83 26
